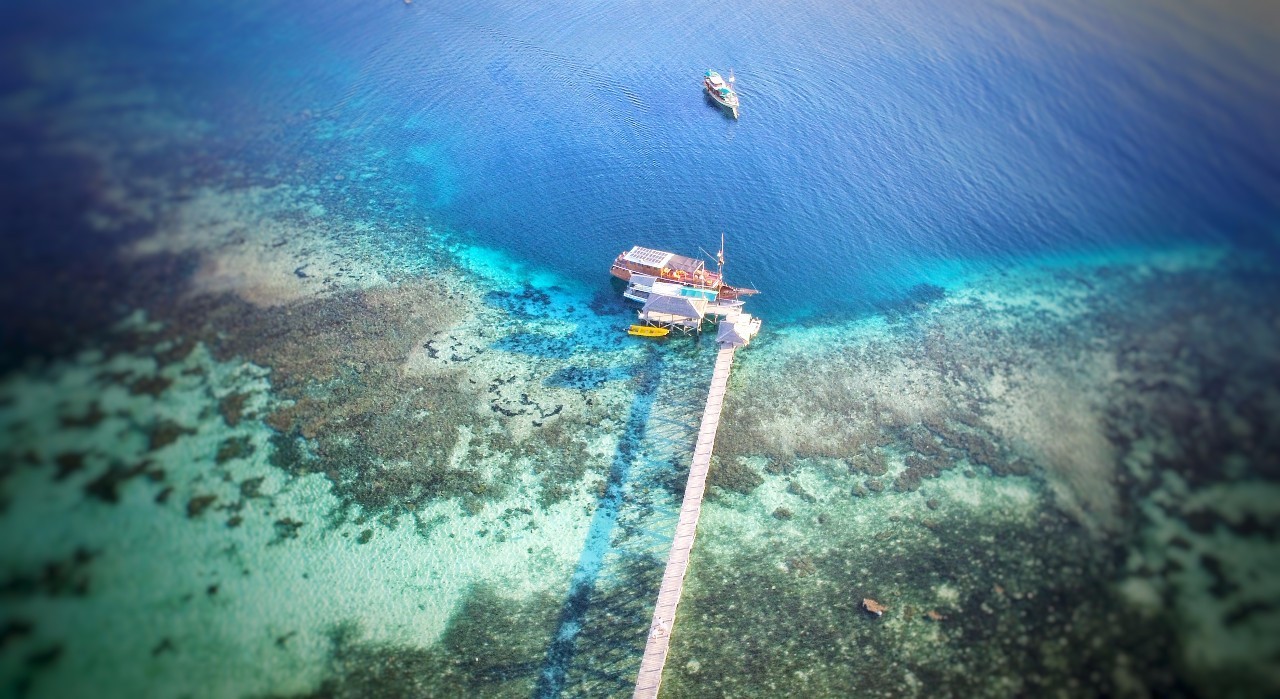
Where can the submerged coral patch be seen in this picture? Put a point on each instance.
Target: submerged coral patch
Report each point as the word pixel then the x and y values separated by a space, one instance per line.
pixel 526 304
pixel 537 344
pixel 584 378
pixel 234 558
pixel 487 650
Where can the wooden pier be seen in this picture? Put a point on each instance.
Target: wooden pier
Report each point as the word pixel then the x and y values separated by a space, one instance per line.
pixel 664 612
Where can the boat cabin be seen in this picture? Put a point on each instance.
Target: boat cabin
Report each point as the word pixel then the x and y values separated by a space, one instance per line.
pixel 663 265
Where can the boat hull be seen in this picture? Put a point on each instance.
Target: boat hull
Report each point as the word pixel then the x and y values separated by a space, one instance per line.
pixel 620 272
pixel 648 331
pixel 732 292
pixel 715 96
pixel 732 109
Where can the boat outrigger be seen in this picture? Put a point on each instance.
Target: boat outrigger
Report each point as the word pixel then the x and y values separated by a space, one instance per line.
pixel 721 91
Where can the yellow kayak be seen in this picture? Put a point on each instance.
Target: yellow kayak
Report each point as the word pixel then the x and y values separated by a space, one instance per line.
pixel 647 331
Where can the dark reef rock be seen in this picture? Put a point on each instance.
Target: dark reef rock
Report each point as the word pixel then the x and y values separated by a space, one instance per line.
pixel 150 385
pixel 734 475
pixel 166 432
pixel 801 566
pixel 917 470
pixel 913 301
pixel 871 462
pixel 527 304
pixel 584 378
pixel 232 408
pixel 44 657
pixel 289 453
pixel 234 448
pixel 92 417
pixel 106 487
pixel 13 630
pixel 198 504
pixel 68 463
pixel 537 345
pixel 798 490
pixel 287 528
pixel 68 577
pixel 779 467
pixel 250 487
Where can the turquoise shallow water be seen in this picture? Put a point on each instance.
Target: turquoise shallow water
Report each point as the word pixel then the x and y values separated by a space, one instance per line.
pixel 315 383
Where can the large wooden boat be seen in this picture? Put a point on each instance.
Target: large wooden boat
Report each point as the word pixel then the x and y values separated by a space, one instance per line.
pixel 721 91
pixel 675 269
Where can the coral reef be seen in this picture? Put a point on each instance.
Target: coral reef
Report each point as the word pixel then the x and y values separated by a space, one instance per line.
pixel 733 474
pixel 242 503
pixel 490 648
pixel 1089 460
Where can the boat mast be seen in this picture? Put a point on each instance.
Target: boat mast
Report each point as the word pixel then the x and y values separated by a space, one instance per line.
pixel 720 258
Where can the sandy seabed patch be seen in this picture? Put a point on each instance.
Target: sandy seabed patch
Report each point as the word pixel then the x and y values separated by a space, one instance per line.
pixel 267 245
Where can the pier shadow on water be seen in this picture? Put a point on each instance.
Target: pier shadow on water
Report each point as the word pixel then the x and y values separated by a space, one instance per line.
pixel 600 634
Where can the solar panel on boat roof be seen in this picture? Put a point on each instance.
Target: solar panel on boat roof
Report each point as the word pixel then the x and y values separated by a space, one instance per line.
pixel 645 256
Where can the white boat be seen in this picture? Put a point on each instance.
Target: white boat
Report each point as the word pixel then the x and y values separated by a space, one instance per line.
pixel 641 286
pixel 721 91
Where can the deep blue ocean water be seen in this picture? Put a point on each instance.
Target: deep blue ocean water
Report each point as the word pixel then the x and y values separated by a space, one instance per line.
pixel 880 145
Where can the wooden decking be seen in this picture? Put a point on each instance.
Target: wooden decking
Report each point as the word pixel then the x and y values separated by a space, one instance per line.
pixel 664 612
